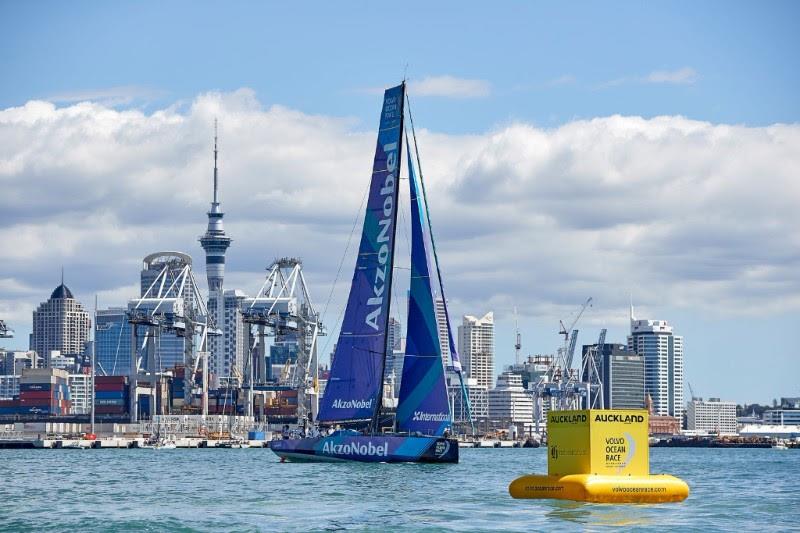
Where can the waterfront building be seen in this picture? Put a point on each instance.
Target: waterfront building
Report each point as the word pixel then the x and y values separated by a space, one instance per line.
pixel 782 417
pixel 712 416
pixel 112 342
pixel 9 386
pixel 622 374
pixel 80 386
pixel 510 404
pixel 68 363
pixel 12 362
pixel 476 347
pixel 662 351
pixel 533 369
pixel 661 424
pixel 215 243
pixel 60 324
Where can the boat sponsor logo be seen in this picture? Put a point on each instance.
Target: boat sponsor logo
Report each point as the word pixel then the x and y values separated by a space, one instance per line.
pixel 421 416
pixel 567 419
pixel 385 224
pixel 442 447
pixel 616 417
pixel 352 404
pixel 355 448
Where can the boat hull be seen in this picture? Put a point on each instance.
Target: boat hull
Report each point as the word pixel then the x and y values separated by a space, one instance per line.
pixel 368 449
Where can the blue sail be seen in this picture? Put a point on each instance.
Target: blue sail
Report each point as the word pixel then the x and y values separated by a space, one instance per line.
pixel 423 405
pixel 356 380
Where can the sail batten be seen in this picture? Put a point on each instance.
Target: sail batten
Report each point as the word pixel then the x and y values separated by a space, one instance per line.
pixel 355 385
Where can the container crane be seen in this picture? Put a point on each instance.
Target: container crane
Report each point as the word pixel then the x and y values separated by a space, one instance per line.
pixel 5 331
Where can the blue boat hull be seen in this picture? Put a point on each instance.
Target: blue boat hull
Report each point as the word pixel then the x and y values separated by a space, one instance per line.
pixel 368 449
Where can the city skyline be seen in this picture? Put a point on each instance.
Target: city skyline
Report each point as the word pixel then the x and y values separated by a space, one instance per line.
pixel 646 176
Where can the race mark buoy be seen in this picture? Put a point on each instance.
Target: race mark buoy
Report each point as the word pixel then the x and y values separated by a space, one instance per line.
pixel 599 456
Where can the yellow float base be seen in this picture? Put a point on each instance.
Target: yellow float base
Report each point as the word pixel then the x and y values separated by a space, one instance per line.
pixel 601 488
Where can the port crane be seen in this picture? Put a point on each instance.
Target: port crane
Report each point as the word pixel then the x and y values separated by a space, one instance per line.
pixel 283 309
pixel 559 388
pixel 172 303
pixel 591 375
pixel 5 331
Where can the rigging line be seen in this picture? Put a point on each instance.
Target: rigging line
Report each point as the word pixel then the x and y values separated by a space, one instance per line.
pixel 339 270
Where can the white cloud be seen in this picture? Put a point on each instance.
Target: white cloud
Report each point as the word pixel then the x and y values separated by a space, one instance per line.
pixel 685 75
pixel 451 87
pixel 682 213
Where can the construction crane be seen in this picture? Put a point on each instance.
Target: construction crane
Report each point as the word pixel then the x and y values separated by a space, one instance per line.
pixel 5 331
pixel 570 339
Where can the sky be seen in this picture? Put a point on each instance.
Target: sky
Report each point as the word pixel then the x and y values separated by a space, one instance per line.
pixel 629 151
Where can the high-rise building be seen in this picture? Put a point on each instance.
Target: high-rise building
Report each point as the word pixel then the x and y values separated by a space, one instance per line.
pixel 713 416
pixel 663 363
pixel 621 373
pixel 394 335
pixel 60 324
pixel 476 348
pixel 231 347
pixel 509 404
pixel 444 338
pixel 215 243
pixel 112 342
pixel 80 386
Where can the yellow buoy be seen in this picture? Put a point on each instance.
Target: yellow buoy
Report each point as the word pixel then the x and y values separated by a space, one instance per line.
pixel 601 489
pixel 599 456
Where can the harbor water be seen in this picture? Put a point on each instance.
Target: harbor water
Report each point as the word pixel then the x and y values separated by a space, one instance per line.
pixel 249 490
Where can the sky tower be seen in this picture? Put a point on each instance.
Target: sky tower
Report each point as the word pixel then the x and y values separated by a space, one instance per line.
pixel 215 242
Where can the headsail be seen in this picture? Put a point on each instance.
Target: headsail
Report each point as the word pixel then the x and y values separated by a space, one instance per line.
pixel 423 405
pixel 356 380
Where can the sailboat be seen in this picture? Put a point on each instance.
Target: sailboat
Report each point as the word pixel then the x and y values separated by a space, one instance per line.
pixel 354 393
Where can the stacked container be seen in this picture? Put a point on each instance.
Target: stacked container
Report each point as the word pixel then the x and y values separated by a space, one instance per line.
pixel 111 395
pixel 44 392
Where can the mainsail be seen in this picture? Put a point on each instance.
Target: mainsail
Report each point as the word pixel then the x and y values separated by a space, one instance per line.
pixel 423 405
pixel 356 380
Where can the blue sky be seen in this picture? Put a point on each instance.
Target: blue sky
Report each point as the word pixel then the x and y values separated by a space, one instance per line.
pixel 492 80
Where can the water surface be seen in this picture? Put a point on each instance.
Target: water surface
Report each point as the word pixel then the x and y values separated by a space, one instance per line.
pixel 249 490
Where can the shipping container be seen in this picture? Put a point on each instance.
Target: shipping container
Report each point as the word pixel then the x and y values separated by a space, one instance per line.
pixel 107 401
pixel 100 394
pixel 35 386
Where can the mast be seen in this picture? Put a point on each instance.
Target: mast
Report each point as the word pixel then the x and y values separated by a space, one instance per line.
pixel 379 406
pixel 94 356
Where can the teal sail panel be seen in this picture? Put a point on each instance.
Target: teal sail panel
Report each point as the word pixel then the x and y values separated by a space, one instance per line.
pixel 423 405
pixel 356 381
